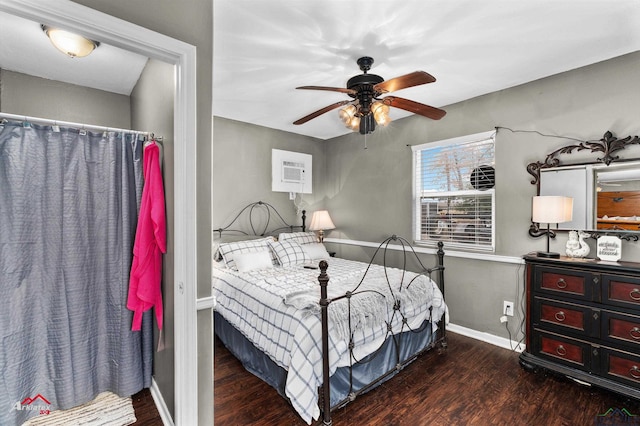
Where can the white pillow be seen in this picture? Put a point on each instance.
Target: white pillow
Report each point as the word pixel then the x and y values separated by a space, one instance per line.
pixel 299 237
pixel 316 251
pixel 229 251
pixel 289 253
pixel 252 261
pixel 224 239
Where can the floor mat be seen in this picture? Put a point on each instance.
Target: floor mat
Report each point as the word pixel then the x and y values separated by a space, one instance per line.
pixel 107 409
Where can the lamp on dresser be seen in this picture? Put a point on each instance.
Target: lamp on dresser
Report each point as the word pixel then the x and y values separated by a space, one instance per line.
pixel 551 209
pixel 321 221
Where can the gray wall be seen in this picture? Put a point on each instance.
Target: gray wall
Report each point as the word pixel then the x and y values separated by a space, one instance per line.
pixel 23 94
pixel 369 191
pixel 242 164
pixel 152 110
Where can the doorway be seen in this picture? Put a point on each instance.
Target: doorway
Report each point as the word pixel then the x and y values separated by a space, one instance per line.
pixel 157 46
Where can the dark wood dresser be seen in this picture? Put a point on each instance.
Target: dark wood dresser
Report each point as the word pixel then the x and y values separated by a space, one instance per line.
pixel 583 321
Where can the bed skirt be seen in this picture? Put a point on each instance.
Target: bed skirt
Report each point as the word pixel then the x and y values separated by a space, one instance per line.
pixel 365 372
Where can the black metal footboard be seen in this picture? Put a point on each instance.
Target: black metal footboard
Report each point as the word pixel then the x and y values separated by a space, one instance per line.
pixel 396 338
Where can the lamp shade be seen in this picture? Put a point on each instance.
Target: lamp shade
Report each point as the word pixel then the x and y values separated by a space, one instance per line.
pixel 552 209
pixel 321 221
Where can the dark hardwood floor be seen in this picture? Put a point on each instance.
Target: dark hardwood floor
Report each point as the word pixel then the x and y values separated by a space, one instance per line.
pixel 474 383
pixel 145 408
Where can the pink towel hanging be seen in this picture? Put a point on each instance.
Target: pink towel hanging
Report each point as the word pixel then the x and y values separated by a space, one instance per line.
pixel 150 243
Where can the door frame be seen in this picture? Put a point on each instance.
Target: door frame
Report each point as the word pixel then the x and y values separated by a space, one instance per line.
pixel 126 35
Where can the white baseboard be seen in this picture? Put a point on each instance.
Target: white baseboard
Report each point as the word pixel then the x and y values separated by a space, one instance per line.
pixel 486 337
pixel 167 420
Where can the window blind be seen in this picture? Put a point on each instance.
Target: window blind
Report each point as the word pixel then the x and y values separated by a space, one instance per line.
pixel 454 192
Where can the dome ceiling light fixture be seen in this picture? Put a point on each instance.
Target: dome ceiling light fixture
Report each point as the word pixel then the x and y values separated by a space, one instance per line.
pixel 367 108
pixel 72 45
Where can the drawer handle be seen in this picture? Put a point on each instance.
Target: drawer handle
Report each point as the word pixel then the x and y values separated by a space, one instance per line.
pixel 560 316
pixel 560 350
pixel 634 294
pixel 635 333
pixel 563 284
pixel 634 372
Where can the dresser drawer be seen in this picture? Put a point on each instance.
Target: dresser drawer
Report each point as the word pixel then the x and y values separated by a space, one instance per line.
pixel 571 352
pixel 566 282
pixel 583 321
pixel 562 317
pixel 621 366
pixel 621 328
pixel 621 290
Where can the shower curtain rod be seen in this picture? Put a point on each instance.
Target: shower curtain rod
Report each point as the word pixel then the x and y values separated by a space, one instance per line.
pixel 47 121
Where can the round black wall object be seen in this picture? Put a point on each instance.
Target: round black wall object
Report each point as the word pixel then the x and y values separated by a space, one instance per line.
pixel 483 177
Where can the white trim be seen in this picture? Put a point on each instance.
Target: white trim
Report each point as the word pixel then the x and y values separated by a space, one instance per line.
pixel 97 25
pixel 427 250
pixel 163 410
pixel 208 302
pixel 512 345
pixel 418 192
pixel 126 35
pixel 185 243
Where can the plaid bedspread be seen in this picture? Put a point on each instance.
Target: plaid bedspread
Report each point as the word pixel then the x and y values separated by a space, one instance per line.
pixel 257 303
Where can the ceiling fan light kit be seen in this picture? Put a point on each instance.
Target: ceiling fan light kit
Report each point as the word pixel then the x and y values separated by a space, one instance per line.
pixel 349 118
pixel 367 107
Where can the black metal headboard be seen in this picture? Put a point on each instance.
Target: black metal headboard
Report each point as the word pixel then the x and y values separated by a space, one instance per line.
pixel 260 207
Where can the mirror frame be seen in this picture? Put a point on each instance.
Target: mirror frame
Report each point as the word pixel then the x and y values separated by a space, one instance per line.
pixel 608 145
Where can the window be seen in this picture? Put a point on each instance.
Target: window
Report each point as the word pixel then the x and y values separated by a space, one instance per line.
pixel 454 192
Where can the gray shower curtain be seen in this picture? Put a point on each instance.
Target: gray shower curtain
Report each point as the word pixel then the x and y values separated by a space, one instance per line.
pixel 68 212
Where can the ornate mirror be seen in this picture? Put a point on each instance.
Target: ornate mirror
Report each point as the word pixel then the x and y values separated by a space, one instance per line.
pixel 605 189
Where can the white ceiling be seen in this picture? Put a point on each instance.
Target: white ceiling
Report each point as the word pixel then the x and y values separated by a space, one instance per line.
pixel 25 48
pixel 263 49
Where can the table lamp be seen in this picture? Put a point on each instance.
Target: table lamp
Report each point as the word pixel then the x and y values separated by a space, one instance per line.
pixel 321 221
pixel 551 209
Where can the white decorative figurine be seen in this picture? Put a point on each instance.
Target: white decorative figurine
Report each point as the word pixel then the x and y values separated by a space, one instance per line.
pixel 576 246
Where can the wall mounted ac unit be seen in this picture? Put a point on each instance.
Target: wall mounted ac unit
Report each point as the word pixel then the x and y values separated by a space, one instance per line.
pixel 291 172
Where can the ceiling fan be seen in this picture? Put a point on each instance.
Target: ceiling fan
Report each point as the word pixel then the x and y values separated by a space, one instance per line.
pixel 367 107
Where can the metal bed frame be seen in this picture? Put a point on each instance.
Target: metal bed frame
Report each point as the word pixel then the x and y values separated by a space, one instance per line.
pixel 394 336
pixel 252 210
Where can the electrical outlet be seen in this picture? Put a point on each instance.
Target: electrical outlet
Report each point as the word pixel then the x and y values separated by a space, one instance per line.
pixel 508 308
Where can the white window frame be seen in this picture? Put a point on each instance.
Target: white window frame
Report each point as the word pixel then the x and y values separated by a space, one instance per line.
pixel 416 198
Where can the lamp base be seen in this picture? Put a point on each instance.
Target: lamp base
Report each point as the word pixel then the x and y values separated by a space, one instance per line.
pixel 548 254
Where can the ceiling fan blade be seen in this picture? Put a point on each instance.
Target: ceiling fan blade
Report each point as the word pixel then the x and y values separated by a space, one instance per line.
pixel 409 80
pixel 320 112
pixel 415 107
pixel 331 89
